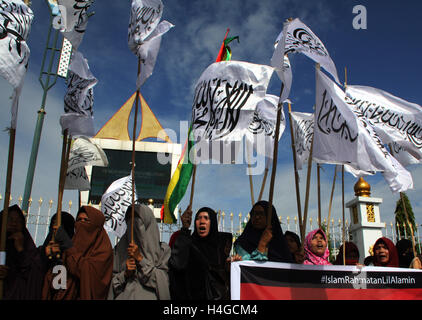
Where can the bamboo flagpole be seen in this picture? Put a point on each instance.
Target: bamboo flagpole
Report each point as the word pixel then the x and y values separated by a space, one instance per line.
pixel 275 155
pixel 319 195
pixel 133 154
pixel 192 188
pixel 342 189
pixel 299 206
pixel 264 179
pixel 342 207
pixel 308 183
pixel 250 175
pixel 62 175
pixel 66 146
pixel 331 199
pixel 12 133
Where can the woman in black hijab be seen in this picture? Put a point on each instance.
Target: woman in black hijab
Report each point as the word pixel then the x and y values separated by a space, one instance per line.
pixel 258 242
pixel 23 269
pixel 46 251
pixel 198 261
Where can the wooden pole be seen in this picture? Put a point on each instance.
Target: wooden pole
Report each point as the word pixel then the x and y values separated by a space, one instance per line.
pixel 12 133
pixel 342 207
pixel 298 202
pixel 275 156
pixel 133 155
pixel 264 180
pixel 319 194
pixel 62 175
pixel 308 183
pixel 331 199
pixel 342 189
pixel 410 225
pixel 250 176
pixel 62 179
pixel 192 187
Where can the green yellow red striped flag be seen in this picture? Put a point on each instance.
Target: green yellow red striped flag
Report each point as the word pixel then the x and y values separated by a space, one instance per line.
pixel 179 181
pixel 225 53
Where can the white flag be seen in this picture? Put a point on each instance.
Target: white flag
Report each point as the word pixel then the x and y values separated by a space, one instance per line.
pixel 226 97
pixel 145 15
pixel 297 37
pixel 72 19
pixel 15 24
pixel 86 153
pixel 281 63
pixel 303 130
pixel 148 52
pixel 394 119
pixel 79 98
pixel 77 179
pixel 341 137
pixel 83 153
pixel 114 204
pixel 402 156
pixel 260 132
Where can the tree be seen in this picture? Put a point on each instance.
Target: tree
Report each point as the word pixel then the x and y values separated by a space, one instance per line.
pixel 401 217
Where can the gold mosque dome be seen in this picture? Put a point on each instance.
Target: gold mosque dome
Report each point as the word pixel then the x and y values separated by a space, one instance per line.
pixel 362 188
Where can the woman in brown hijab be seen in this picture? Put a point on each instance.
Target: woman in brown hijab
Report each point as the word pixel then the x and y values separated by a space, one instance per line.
pixel 88 259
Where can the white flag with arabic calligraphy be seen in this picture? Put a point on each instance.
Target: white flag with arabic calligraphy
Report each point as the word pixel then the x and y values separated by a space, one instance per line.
pixel 343 137
pixel 79 98
pixel 225 99
pixel 303 130
pixel 298 37
pixel 260 132
pixel 15 24
pixel 394 119
pixel 144 34
pixel 114 204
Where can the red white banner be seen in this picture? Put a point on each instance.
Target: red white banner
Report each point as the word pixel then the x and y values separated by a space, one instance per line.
pixel 251 280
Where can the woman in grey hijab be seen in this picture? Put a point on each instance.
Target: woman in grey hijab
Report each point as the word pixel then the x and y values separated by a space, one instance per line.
pixel 140 269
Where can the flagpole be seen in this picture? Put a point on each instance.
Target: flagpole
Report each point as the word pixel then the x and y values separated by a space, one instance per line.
pixel 342 207
pixel 342 187
pixel 275 155
pixel 192 188
pixel 299 207
pixel 62 179
pixel 308 183
pixel 250 176
pixel 133 154
pixel 264 180
pixel 62 175
pixel 12 133
pixel 319 194
pixel 331 199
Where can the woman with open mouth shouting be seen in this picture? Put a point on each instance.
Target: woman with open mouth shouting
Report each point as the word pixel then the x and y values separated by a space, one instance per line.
pixel 198 261
pixel 385 253
pixel 316 248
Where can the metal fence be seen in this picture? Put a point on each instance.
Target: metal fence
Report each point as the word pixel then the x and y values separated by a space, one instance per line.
pixel 40 212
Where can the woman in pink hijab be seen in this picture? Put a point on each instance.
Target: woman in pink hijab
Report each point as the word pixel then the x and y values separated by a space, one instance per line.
pixel 316 249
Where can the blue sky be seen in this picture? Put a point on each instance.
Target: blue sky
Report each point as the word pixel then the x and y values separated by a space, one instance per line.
pixel 385 56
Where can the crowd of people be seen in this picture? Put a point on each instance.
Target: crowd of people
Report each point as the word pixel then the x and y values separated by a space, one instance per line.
pixel 193 266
